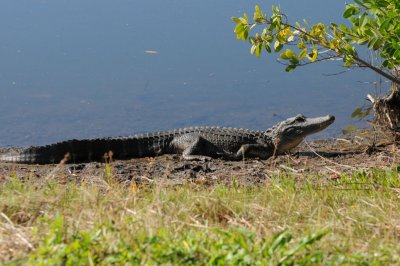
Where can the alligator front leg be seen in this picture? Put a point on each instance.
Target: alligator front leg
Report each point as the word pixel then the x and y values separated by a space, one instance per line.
pixel 254 150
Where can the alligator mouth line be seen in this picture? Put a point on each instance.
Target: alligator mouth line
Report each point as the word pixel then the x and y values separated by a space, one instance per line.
pixel 319 123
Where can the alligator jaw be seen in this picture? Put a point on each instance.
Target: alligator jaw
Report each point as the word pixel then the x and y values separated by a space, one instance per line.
pixel 289 133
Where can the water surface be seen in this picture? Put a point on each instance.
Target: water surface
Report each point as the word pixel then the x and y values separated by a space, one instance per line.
pixel 79 69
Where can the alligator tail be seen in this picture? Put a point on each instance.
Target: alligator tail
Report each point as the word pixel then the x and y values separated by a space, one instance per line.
pixel 77 151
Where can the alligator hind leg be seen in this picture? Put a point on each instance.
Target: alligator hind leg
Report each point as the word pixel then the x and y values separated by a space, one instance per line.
pixel 195 147
pixel 200 150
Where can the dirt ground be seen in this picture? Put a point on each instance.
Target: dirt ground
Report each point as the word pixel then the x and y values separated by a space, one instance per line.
pixel 325 158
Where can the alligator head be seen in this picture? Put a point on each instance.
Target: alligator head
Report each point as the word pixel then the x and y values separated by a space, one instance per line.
pixel 289 133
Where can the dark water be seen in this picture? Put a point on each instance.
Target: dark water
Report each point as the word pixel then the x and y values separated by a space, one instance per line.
pixel 78 69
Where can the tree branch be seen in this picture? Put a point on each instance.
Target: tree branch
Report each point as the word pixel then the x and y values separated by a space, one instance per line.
pixel 378 70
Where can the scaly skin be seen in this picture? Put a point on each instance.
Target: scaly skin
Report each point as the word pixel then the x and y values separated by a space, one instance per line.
pixel 196 143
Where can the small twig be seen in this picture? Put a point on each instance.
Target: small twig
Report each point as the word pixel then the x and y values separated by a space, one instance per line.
pixel 147 179
pixel 59 166
pixel 370 98
pixel 192 225
pixel 332 170
pixel 335 74
pixel 344 140
pixel 288 168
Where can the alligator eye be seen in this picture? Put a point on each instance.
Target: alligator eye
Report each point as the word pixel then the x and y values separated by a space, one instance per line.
pixel 289 130
pixel 300 118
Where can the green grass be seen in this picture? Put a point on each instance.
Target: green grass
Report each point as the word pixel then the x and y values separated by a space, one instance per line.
pixel 352 220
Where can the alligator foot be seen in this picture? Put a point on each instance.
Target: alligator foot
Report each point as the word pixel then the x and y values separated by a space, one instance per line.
pixel 200 158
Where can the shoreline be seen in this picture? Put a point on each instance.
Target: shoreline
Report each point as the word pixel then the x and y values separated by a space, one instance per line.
pixel 327 158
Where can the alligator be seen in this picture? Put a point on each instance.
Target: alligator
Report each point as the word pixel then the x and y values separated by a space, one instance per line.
pixel 194 143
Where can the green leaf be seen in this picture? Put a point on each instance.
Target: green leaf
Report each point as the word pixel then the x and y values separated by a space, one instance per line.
pixel 313 55
pixel 243 21
pixel 269 38
pixel 349 49
pixel 303 53
pixel 245 33
pixel 364 19
pixel 242 31
pixel 351 10
pixel 258 49
pixel 252 40
pixel 268 48
pixel 349 129
pixel 348 60
pixel 277 46
pixel 343 28
pixel 253 49
pixel 377 44
pixel 301 45
pixel 239 28
pixel 290 68
pixel 290 53
pixel 258 15
pixel 356 112
pixel 275 9
pixel 363 41
pixel 235 19
pixel 387 64
pixel 294 60
pixel 246 18
pixel 385 24
pixel 283 56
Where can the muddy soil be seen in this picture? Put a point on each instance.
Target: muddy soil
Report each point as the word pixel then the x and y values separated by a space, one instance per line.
pixel 327 159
